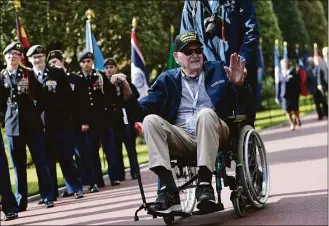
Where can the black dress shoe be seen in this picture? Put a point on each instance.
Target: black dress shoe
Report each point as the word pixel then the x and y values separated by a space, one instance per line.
pixel 10 216
pixel 66 194
pixel 93 188
pixel 41 201
pixel 115 183
pixel 133 176
pixel 78 195
pixel 205 197
pixel 49 204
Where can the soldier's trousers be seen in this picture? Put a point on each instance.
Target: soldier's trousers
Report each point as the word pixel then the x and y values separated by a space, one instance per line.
pixel 9 203
pixel 17 149
pixel 60 147
pixel 106 138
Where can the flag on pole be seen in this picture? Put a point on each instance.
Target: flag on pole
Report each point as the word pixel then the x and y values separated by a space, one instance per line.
pixel 260 73
pixel 285 51
pixel 20 33
pixel 171 61
pixel 139 75
pixel 302 73
pixel 91 44
pixel 277 68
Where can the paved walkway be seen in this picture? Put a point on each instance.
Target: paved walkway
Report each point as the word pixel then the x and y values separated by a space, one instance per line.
pixel 298 195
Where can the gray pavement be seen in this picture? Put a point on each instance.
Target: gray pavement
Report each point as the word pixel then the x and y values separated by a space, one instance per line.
pixel 298 195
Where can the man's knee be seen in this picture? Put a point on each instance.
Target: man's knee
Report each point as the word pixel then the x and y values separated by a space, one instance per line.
pixel 206 113
pixel 150 122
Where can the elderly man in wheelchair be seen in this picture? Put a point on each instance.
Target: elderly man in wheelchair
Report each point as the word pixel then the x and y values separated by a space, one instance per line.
pixel 186 114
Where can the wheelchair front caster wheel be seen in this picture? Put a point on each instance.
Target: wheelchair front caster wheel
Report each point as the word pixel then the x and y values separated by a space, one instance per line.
pixel 239 205
pixel 169 219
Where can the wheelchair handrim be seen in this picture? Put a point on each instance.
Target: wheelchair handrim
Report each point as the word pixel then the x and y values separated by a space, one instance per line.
pixel 265 170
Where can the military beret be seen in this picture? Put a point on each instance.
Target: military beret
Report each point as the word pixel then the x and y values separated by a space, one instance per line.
pixel 55 54
pixel 110 61
pixel 85 55
pixel 13 46
pixel 35 50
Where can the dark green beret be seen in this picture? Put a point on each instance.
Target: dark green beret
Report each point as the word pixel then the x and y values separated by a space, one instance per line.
pixel 55 54
pixel 35 50
pixel 13 46
pixel 110 61
pixel 85 55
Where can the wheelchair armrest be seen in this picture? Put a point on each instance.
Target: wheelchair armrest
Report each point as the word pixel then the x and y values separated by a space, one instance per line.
pixel 237 118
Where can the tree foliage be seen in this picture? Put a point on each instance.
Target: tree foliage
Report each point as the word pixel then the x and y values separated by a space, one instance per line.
pixel 268 28
pixel 60 24
pixel 291 24
pixel 325 7
pixel 315 22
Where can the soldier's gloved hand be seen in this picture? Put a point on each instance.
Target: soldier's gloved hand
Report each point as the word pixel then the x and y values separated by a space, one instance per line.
pixel 120 80
pixel 84 128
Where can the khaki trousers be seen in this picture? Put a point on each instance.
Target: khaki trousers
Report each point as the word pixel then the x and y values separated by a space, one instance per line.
pixel 164 139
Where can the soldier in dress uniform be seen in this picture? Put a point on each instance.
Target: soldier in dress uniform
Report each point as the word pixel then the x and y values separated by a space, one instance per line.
pixel 23 126
pixel 121 134
pixel 100 94
pixel 80 118
pixel 9 204
pixel 53 91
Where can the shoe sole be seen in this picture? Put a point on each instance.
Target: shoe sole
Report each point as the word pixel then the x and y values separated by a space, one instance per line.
pixel 174 208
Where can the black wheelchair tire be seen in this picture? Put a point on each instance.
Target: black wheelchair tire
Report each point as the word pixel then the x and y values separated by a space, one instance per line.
pixel 247 187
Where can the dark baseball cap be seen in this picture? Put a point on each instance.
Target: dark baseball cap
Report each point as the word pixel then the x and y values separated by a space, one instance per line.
pixel 184 39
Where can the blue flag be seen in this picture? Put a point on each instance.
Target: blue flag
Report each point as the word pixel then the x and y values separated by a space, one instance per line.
pixel 260 74
pixel 139 75
pixel 91 45
pixel 277 70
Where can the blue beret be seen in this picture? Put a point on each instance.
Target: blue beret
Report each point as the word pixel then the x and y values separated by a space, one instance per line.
pixel 13 46
pixel 35 50
pixel 85 55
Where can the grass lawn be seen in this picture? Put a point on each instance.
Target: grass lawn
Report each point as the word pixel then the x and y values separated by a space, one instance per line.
pixel 264 119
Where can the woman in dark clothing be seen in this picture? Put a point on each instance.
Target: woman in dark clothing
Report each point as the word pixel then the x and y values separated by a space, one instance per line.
pixel 288 92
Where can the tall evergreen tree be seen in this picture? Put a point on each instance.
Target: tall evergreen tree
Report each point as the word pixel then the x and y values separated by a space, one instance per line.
pixel 268 28
pixel 315 22
pixel 291 24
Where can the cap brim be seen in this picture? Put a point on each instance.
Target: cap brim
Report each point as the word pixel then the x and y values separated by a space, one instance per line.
pixel 188 43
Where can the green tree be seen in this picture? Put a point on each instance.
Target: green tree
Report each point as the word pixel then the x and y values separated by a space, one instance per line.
pixel 315 22
pixel 269 30
pixel 325 7
pixel 60 24
pixel 291 24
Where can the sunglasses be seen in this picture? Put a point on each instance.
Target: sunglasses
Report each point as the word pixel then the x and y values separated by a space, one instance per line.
pixel 189 52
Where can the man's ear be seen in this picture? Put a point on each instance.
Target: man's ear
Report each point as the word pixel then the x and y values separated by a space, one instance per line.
pixel 175 55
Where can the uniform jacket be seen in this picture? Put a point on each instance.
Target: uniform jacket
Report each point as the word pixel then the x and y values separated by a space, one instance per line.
pixel 164 96
pixel 241 28
pixel 55 97
pixel 99 96
pixel 312 81
pixel 21 110
pixel 289 85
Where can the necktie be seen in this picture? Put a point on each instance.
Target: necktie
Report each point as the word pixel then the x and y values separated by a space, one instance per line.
pixel 40 79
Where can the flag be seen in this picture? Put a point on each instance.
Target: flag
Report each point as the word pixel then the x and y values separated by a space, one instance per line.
pixel 285 51
pixel 91 45
pixel 20 33
pixel 139 75
pixel 302 73
pixel 171 61
pixel 277 68
pixel 260 73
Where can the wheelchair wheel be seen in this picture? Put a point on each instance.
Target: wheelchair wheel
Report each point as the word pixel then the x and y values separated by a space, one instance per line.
pixel 169 219
pixel 183 174
pixel 253 167
pixel 239 205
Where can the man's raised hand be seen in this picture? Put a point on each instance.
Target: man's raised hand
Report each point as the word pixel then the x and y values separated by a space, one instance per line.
pixel 236 70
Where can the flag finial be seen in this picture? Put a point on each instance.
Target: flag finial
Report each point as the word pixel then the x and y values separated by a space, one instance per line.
pixel 260 41
pixel 285 44
pixel 276 42
pixel 297 45
pixel 90 13
pixel 172 30
pixel 17 4
pixel 315 45
pixel 134 23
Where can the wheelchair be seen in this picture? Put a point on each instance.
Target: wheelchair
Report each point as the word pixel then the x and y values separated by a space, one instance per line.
pixel 250 185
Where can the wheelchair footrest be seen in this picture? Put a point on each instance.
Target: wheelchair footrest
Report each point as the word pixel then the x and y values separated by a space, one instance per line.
pixel 173 213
